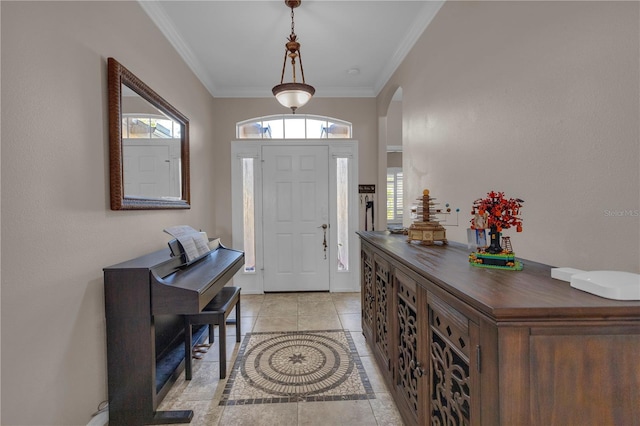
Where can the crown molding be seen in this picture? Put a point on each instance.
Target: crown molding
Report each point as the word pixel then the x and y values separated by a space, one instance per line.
pixel 162 21
pixel 420 24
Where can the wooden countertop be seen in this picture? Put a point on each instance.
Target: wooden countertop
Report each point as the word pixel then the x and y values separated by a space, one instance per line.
pixel 503 295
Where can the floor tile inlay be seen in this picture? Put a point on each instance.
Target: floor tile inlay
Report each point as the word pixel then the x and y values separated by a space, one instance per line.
pixel 297 366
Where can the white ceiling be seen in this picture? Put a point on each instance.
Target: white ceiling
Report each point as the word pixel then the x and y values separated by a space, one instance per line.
pixel 236 48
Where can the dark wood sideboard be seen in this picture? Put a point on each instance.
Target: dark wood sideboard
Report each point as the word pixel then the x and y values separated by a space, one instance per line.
pixel 464 345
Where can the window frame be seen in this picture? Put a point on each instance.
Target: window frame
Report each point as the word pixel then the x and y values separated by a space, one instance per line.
pixel 261 127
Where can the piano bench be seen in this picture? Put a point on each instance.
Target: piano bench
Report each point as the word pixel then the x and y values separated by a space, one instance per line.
pixel 215 313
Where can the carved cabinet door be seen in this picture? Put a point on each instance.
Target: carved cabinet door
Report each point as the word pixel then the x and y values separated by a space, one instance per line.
pixel 454 364
pixel 383 291
pixel 411 372
pixel 368 295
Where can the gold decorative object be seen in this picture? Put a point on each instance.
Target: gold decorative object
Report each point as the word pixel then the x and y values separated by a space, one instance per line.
pixel 426 228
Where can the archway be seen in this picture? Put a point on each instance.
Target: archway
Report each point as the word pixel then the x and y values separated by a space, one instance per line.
pixel 390 164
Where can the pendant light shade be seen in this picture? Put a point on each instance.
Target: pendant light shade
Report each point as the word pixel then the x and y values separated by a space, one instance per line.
pixel 293 95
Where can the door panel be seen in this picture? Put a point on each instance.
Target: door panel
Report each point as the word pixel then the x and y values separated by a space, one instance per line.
pixel 151 167
pixel 295 206
pixel 146 170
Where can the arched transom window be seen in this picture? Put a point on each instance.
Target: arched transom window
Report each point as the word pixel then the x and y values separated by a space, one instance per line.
pixel 293 126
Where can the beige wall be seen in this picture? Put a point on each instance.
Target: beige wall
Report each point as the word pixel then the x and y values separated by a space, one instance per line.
pixel 394 159
pixel 394 123
pixel 539 100
pixel 57 229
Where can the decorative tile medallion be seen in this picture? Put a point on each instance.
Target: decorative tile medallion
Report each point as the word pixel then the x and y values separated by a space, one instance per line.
pixel 297 366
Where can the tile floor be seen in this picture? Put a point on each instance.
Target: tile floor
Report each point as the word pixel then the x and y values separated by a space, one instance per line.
pixel 285 312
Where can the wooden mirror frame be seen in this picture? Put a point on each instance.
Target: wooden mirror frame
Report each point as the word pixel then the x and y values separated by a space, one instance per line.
pixel 118 75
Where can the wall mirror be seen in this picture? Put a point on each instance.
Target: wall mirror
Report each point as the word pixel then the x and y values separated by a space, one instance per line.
pixel 148 146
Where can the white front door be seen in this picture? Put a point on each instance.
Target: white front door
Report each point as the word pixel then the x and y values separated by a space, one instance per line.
pixel 295 202
pixel 151 167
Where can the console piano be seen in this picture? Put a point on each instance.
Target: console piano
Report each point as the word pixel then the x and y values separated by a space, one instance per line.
pixel 144 300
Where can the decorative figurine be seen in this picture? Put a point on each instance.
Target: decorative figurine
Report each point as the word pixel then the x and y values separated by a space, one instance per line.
pixel 426 228
pixel 495 213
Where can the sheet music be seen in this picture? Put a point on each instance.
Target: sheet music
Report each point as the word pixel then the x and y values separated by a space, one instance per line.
pixel 195 243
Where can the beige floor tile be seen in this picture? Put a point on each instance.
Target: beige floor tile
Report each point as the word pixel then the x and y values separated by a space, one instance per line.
pixel 248 308
pixel 280 297
pixel 246 326
pixel 348 304
pixel 279 307
pixel 285 312
pixel 213 354
pixel 385 410
pixel 319 308
pixel 362 346
pixel 336 413
pixel 205 378
pixel 260 414
pixel 352 322
pixel 174 393
pixel 253 298
pixel 314 297
pixel 205 413
pixel 346 294
pixel 329 322
pixel 376 379
pixel 289 323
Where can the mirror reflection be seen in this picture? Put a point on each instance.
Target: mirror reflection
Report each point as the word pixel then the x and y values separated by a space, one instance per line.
pixel 149 146
pixel 150 150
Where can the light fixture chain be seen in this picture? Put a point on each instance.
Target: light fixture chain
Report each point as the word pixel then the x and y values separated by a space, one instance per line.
pixel 294 94
pixel 284 66
pixel 301 69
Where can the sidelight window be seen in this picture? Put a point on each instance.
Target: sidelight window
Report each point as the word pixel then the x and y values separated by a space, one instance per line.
pixel 248 211
pixel 342 198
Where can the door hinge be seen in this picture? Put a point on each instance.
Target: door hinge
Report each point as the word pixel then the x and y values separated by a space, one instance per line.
pixel 478 358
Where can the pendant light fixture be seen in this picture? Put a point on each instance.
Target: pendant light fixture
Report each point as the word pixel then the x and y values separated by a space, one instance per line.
pixel 293 95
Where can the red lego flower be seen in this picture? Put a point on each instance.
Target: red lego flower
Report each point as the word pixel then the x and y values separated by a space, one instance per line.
pixel 502 212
